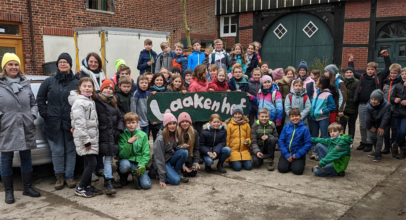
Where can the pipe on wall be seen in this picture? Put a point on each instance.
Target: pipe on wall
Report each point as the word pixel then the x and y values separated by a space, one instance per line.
pixel 33 60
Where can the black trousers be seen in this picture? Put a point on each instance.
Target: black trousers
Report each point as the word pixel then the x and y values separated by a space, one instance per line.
pixel 268 149
pixel 388 138
pixel 297 165
pixel 351 124
pixel 90 163
pixel 154 132
pixel 189 164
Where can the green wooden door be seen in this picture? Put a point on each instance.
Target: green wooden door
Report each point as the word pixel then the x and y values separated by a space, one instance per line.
pixel 396 49
pixel 297 37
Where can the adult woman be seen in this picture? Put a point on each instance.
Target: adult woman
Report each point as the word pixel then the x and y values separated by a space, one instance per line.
pixel 92 67
pixel 54 107
pixel 18 110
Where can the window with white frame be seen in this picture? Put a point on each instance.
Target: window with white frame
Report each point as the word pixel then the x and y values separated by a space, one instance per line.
pixel 228 26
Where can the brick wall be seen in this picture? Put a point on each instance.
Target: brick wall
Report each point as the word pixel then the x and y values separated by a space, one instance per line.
pixel 246 19
pixel 245 37
pixel 358 9
pixel 356 32
pixel 360 57
pixel 391 8
pixel 229 42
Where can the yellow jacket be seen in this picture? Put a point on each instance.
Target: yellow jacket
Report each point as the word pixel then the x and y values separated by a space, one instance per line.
pixel 236 136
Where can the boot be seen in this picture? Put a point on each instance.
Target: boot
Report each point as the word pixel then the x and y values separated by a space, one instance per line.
pixel 183 179
pixel 136 181
pixel 386 150
pixel 123 178
pixel 270 165
pixel 60 181
pixel 8 188
pixel 108 183
pixel 394 150
pixel 402 154
pixel 27 181
pixel 368 148
pixel 361 146
pixel 220 167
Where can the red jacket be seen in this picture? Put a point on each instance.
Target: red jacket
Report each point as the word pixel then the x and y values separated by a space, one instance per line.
pixel 218 86
pixel 198 86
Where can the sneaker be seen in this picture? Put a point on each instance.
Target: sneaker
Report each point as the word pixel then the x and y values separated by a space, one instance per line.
pixel 342 173
pixel 84 193
pixel 70 183
pixel 317 158
pixel 270 165
pixel 377 158
pixel 401 154
pixel 372 155
pixel 208 169
pixel 368 148
pixel 313 157
pixel 183 179
pixel 94 190
pixel 94 177
pixel 361 146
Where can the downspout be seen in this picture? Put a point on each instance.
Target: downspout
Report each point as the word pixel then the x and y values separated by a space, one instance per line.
pixel 32 36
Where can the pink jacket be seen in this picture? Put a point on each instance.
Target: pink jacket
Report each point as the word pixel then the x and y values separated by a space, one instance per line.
pixel 198 86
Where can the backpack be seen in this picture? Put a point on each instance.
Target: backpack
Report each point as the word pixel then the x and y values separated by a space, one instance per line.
pixel 304 99
pixel 273 95
pixel 213 58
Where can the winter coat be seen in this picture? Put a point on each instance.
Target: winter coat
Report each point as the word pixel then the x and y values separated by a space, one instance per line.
pixel 164 60
pixel 96 76
pixel 217 86
pixel 136 152
pixel 123 101
pixel 299 144
pixel 389 86
pixel 236 136
pixel 399 91
pixel 221 59
pixel 212 140
pixel 198 86
pixel 298 102
pixel 253 64
pixel 265 100
pixel 341 99
pixel 17 114
pixel 85 123
pixel 111 124
pixel 181 62
pixel 116 78
pixel 139 105
pixel 284 87
pixel 238 59
pixel 254 87
pixel 242 85
pixel 357 75
pixel 308 84
pixel 145 57
pixel 195 59
pixel 258 130
pixel 163 152
pixel 351 106
pixel 339 152
pixel 379 116
pixel 194 151
pixel 322 105
pixel 53 104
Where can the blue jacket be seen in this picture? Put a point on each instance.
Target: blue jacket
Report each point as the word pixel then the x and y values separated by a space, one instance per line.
pixel 145 57
pixel 244 87
pixel 264 100
pixel 299 145
pixel 212 140
pixel 254 63
pixel 322 105
pixel 181 59
pixel 238 59
pixel 194 59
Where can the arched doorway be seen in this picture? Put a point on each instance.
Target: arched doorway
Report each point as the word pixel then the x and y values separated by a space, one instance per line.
pixel 297 37
pixel 393 38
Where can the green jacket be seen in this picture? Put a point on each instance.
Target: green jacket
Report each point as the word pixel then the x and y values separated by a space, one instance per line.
pixel 136 152
pixel 339 152
pixel 351 107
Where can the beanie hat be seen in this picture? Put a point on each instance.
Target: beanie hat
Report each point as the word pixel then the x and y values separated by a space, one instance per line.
pixel 7 57
pixel 187 71
pixel 106 83
pixel 302 64
pixel 331 69
pixel 237 108
pixel 184 116
pixel 65 56
pixel 118 63
pixel 377 94
pixel 277 74
pixel 265 78
pixel 169 117
pixel 350 69
pixel 176 68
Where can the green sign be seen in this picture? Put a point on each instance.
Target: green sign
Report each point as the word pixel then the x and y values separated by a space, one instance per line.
pixel 199 105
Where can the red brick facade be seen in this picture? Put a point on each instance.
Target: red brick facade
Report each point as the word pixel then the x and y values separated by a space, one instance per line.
pixel 246 19
pixel 360 56
pixel 358 9
pixel 245 37
pixel 390 8
pixel 356 32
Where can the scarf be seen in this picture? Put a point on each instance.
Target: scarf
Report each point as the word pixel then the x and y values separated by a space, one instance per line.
pixel 240 121
pixel 97 76
pixel 14 83
pixel 248 59
pixel 159 88
pixel 266 91
pixel 108 98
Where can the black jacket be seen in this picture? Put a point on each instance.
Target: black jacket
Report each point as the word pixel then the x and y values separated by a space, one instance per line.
pixel 53 104
pixel 110 126
pixel 378 117
pixel 351 85
pixel 254 63
pixel 123 101
pixel 399 91
pixel 212 140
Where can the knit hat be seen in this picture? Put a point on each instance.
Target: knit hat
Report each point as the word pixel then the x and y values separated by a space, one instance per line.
pixel 237 108
pixel 377 94
pixel 7 57
pixel 169 117
pixel 277 74
pixel 265 78
pixel 107 83
pixel 184 116
pixel 302 64
pixel 187 71
pixel 331 69
pixel 118 63
pixel 350 69
pixel 66 57
pixel 176 68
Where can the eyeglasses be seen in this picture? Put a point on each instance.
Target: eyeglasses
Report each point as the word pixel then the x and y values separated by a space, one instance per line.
pixel 63 62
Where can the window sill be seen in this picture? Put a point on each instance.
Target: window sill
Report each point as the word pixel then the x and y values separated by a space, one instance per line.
pixel 100 11
pixel 228 35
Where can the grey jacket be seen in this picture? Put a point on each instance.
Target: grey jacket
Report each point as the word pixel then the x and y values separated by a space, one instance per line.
pixel 17 115
pixel 220 60
pixel 84 121
pixel 258 130
pixel 166 62
pixel 163 152
pixel 297 102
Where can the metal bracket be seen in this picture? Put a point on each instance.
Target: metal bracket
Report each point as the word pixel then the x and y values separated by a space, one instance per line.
pixel 139 36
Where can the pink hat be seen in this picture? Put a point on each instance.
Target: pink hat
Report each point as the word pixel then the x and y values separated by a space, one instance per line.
pixel 169 117
pixel 184 116
pixel 277 74
pixel 265 78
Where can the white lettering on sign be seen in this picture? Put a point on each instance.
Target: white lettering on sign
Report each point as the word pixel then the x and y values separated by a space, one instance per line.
pixel 198 101
pixel 176 105
pixel 156 111
pixel 187 102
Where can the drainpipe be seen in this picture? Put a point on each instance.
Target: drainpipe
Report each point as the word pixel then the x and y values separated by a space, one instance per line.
pixel 32 36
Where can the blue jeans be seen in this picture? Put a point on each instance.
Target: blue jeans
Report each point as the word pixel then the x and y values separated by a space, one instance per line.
pixel 125 167
pixel 63 154
pixel 146 130
pixel 108 169
pixel 224 154
pixel 322 126
pixel 401 129
pixel 238 165
pixel 7 162
pixel 329 170
pixel 177 160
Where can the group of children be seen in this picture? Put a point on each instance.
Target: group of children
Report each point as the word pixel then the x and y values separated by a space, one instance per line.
pixel 283 105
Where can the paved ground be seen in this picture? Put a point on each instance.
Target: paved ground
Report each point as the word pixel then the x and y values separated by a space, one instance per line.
pixel 368 191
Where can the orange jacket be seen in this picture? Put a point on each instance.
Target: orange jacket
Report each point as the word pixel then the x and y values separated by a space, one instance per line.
pixel 236 136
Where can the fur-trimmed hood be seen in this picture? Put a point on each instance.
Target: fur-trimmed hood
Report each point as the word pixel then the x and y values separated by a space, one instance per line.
pixel 208 127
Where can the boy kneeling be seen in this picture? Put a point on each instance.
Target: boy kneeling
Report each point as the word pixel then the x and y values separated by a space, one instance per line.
pixel 334 152
pixel 134 153
pixel 295 141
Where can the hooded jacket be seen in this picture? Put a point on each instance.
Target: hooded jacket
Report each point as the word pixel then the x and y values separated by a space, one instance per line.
pixel 295 140
pixel 379 116
pixel 308 84
pixel 145 57
pixel 322 105
pixel 198 86
pixel 351 106
pixel 284 86
pixel 164 60
pixel 258 130
pixel 163 152
pixel 139 105
pixel 195 59
pixel 298 102
pixel 237 134
pixel 212 140
pixel 399 91
pixel 221 59
pixel 181 62
pixel 85 123
pixel 242 85
pixel 264 100
pixel 136 152
pixel 252 65
pixel 218 86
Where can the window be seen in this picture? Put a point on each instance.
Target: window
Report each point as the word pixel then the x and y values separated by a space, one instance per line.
pixel 102 5
pixel 228 26
pixel 393 30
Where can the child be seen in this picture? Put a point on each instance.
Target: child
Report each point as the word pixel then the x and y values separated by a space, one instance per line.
pixel 254 84
pixel 331 71
pixel 219 56
pixel 139 103
pixel 398 100
pixel 212 72
pixel 177 85
pixel 315 75
pixel 239 140
pixel 213 140
pixel 334 152
pixel 237 53
pixel 146 61
pixel 189 140
pixel 257 47
pixel 158 84
pixel 309 84
pixel 110 126
pixel 197 57
pixel 377 117
pixel 277 77
pixel 368 82
pixel 150 76
pixel 165 156
pixel 122 94
pixel 187 76
pixel 294 142
pixel 176 71
pixel 265 69
pixel 164 59
pixel 298 99
pixel 251 59
pixel 86 133
pixel 134 153
pixel 179 60
pixel 167 74
pixel 219 84
pixel 264 137
pixel 238 82
pixel 122 71
pixel 199 83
